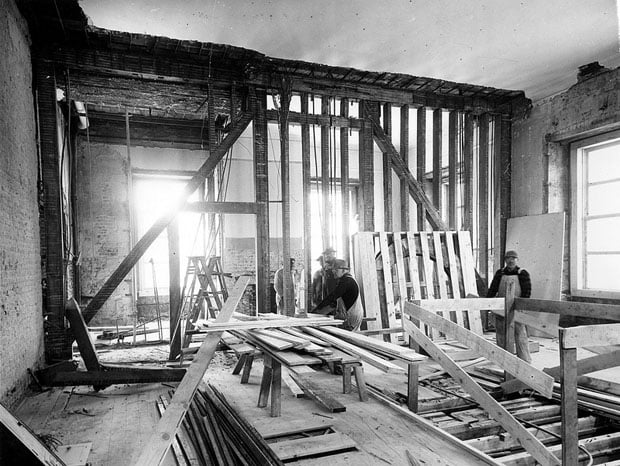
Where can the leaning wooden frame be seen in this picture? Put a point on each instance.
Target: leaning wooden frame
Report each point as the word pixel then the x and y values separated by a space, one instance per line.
pixel 571 371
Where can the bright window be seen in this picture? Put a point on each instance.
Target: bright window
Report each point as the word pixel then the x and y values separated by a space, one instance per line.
pixel 152 196
pixel 595 237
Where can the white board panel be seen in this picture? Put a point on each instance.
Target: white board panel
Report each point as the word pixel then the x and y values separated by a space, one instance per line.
pixel 539 240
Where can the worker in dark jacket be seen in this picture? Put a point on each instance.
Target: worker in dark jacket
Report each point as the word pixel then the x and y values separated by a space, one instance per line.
pixel 523 288
pixel 344 300
pixel 324 280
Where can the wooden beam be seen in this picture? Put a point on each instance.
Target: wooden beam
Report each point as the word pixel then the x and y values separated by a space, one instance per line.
pixel 305 118
pixel 590 335
pixel 526 373
pixel 570 417
pixel 453 137
pixel 261 195
pixel 387 170
pixel 288 297
pixel 222 207
pixel 587 365
pixel 111 377
pixel 569 308
pixel 80 333
pixel 344 182
pixel 159 442
pixel 326 217
pixel 468 173
pixel 420 166
pixel 28 439
pixel 307 207
pixel 366 167
pixel 160 224
pixel 495 410
pixel 404 153
pixel 417 191
pixel 437 157
pixel 483 197
pixel 174 267
pixel 447 305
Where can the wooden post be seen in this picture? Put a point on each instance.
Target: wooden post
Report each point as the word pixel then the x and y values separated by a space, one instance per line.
pixel 307 191
pixel 174 267
pixel 468 173
pixel 366 167
pixel 437 157
pixel 452 168
pixel 344 180
pixel 326 226
pixel 570 419
pixel 421 163
pixel 483 197
pixel 261 192
pixel 404 153
pixel 387 171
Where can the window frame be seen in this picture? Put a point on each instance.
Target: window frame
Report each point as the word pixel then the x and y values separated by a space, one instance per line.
pixel 577 186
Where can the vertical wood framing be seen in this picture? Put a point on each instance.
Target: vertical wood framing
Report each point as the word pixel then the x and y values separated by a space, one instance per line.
pixel 174 267
pixel 387 171
pixel 453 136
pixel 455 282
pixel 437 157
pixel 212 144
pixel 421 162
pixel 483 197
pixel 326 226
pixel 366 168
pixel 505 169
pixel 439 265
pixel 389 319
pixel 414 273
pixel 570 419
pixel 427 265
pixel 468 172
pixel 368 270
pixel 344 180
pixel 289 298
pixel 307 191
pixel 400 270
pixel 261 193
pixel 404 153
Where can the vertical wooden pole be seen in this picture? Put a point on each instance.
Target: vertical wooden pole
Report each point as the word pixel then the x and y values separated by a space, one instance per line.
pixel 344 180
pixel 307 191
pixel 366 167
pixel 437 158
pixel 261 188
pixel 483 198
pixel 326 227
pixel 570 420
pixel 421 162
pixel 468 173
pixel 387 171
pixel 505 174
pixel 174 267
pixel 453 137
pixel 289 298
pixel 211 218
pixel 404 153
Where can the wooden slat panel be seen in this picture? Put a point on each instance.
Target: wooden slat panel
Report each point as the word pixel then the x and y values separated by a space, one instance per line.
pixel 443 292
pixel 370 285
pixel 414 274
pixel 400 270
pixel 389 320
pixel 455 282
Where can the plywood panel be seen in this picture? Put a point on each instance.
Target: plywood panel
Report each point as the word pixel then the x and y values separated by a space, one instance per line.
pixel 539 240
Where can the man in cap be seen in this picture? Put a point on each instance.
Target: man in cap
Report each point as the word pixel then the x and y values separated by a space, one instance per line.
pixel 523 288
pixel 324 280
pixel 344 300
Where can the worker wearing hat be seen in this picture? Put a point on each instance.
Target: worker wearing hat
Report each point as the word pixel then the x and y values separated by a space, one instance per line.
pixel 324 280
pixel 344 301
pixel 511 272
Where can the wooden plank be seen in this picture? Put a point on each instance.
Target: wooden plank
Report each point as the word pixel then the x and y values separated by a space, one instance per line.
pixel 529 375
pixel 414 274
pixel 404 153
pixel 162 222
pixel 570 308
pixel 590 335
pixel 467 304
pixel 455 280
pixel 366 356
pixel 214 327
pixel 288 450
pixel 314 391
pixel 400 270
pixel 439 265
pixel 496 410
pixel 295 389
pixel 453 136
pixel 389 320
pixel 387 170
pixel 370 286
pixel 159 442
pixel 275 344
pixel 105 377
pixel 427 265
pixel 28 439
pixel 287 427
pixel 174 287
pixel 570 417
pixel 80 333
pixel 469 277
pixel 297 333
pixel 248 208
pixel 280 335
pixel 421 167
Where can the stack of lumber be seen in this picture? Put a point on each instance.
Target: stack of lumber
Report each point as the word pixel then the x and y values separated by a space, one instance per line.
pixel 212 432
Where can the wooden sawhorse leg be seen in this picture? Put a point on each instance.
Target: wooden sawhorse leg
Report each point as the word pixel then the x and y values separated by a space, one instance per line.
pixel 240 364
pixel 412 387
pixel 272 381
pixel 359 379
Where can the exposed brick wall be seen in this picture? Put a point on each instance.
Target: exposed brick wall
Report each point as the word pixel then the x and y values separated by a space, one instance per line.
pixel 104 227
pixel 21 320
pixel 540 168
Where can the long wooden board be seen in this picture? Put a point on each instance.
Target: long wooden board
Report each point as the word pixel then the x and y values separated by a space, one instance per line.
pixel 164 433
pixel 311 446
pixel 526 373
pixel 496 410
